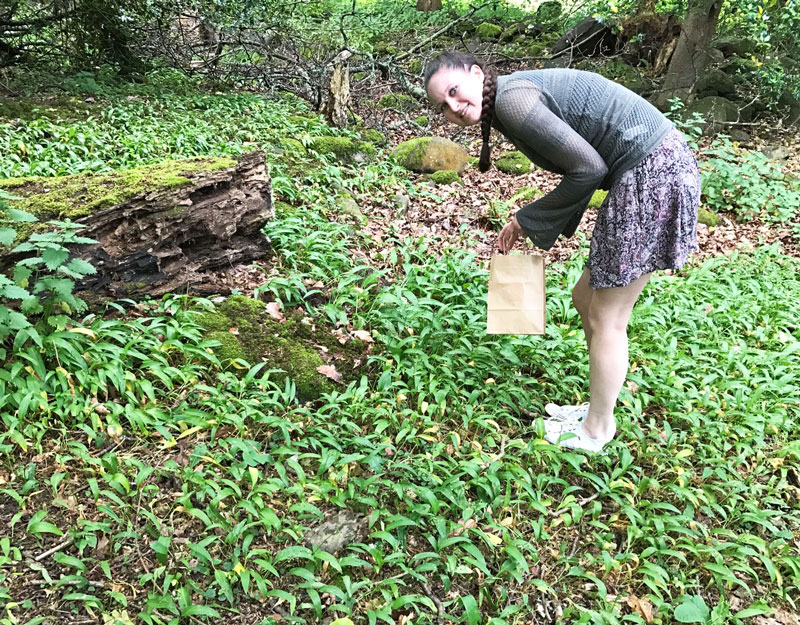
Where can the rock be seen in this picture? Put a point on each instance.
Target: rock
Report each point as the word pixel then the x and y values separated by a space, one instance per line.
pixel 589 38
pixel 716 110
pixel 336 532
pixel 707 217
pixel 348 206
pixel 445 176
pixel 736 46
pixel 776 153
pixel 488 32
pixel 344 148
pixel 426 155
pixel 789 103
pixel 739 135
pixel 715 82
pixel 373 136
pixel 401 201
pixel 513 163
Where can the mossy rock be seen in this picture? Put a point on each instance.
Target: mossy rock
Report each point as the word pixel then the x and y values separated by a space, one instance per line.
pixel 598 197
pixel 707 217
pixel 444 176
pixel 373 136
pixel 488 31
pixel 289 346
pixel 292 146
pixel 344 148
pixel 429 154
pixel 513 163
pixel 79 195
pixel 422 120
pixel 348 206
pixel 415 67
pixel 283 209
pixel 399 101
pixel 525 194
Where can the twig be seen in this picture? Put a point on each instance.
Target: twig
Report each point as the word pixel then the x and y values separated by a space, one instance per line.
pixel 425 42
pixel 499 456
pixel 581 503
pixel 437 601
pixel 51 551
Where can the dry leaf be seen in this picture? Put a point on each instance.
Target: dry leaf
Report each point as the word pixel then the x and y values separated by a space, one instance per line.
pixel 234 331
pixel 274 310
pixel 642 607
pixel 330 372
pixel 363 335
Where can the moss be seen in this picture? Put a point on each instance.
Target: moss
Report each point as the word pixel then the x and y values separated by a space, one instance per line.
pixel 293 146
pixel 525 194
pixel 282 209
pixel 488 32
pixel 597 198
pixel 473 160
pixel 373 136
pixel 290 346
pixel 400 101
pixel 75 196
pixel 422 120
pixel 707 217
pixel 342 147
pixel 415 67
pixel 429 154
pixel 444 176
pixel 513 163
pixel 229 349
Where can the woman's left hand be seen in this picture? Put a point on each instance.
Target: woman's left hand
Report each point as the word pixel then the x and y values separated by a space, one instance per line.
pixel 508 235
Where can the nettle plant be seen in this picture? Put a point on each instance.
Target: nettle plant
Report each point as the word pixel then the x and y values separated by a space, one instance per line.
pixel 747 183
pixel 41 284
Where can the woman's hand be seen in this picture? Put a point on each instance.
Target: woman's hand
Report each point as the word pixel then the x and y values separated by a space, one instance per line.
pixel 509 235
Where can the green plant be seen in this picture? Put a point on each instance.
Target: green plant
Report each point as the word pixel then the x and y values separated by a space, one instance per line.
pixel 747 183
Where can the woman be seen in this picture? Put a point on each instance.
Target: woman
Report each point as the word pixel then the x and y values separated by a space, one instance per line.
pixel 597 134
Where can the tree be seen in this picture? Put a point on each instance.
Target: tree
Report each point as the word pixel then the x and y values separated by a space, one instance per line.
pixel 429 5
pixel 691 53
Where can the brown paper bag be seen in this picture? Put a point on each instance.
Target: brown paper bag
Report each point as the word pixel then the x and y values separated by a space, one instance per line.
pixel 516 294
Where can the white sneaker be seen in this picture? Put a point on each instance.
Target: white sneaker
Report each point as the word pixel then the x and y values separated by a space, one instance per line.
pixel 567 413
pixel 572 436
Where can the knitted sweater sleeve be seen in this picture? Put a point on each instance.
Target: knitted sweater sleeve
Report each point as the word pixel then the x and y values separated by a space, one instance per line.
pixel 525 117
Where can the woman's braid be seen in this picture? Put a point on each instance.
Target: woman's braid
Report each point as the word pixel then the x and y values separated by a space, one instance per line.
pixel 487 113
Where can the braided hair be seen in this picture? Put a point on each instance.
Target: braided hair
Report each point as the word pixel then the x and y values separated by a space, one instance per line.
pixel 459 60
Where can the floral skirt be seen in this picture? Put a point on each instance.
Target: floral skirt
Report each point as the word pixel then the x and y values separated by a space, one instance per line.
pixel 648 220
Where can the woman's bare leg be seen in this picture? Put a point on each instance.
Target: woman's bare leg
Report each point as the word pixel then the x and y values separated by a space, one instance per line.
pixel 608 315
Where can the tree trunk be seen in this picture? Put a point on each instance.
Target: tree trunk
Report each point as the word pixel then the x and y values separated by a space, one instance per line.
pixel 429 5
pixel 338 99
pixel 691 53
pixel 175 240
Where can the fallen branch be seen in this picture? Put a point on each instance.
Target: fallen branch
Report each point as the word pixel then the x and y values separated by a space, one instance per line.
pixel 53 550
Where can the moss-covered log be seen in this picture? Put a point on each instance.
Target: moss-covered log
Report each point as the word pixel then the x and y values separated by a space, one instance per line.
pixel 161 228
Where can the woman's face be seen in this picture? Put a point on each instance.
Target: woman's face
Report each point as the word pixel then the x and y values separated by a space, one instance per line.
pixel 457 93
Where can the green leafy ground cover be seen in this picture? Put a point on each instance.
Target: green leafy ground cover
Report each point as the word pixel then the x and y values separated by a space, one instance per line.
pixel 144 479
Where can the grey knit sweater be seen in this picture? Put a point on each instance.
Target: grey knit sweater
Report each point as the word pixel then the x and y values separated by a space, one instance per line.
pixel 578 124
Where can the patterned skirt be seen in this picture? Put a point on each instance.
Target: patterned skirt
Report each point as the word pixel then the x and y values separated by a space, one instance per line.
pixel 648 220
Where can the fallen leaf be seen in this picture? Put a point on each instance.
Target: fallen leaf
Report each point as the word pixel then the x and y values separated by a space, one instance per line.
pixel 363 335
pixel 274 310
pixel 330 372
pixel 234 330
pixel 642 607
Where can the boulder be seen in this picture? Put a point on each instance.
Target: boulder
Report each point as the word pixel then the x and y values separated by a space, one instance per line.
pixel 716 110
pixel 736 46
pixel 715 82
pixel 488 32
pixel 426 155
pixel 589 38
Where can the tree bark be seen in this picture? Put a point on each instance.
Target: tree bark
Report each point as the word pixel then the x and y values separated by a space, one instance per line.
pixel 429 5
pixel 691 52
pixel 338 99
pixel 176 240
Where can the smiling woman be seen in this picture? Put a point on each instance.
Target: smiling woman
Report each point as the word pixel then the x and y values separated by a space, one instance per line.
pixel 597 135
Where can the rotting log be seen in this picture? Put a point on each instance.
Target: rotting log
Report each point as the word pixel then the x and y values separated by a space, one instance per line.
pixel 176 238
